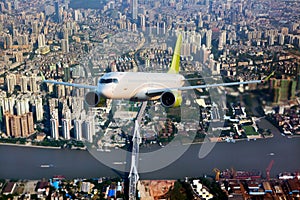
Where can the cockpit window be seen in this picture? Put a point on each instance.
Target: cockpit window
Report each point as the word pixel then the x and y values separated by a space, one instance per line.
pixel 109 80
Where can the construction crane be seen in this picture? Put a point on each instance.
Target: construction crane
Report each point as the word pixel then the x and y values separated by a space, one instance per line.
pixel 217 171
pixel 268 169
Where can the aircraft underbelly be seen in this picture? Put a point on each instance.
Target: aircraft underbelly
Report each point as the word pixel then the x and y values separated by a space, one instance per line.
pixel 135 86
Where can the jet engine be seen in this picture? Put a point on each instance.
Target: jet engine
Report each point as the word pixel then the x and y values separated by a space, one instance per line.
pixel 92 98
pixel 171 99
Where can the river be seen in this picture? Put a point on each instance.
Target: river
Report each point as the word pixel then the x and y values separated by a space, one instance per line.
pixel 25 162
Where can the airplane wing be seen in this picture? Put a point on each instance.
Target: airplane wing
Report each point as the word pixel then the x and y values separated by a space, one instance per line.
pixel 154 92
pixel 92 87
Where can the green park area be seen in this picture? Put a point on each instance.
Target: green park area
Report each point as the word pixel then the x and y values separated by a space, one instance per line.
pixel 249 130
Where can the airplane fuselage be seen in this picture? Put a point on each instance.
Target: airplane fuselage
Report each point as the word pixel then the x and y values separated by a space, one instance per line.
pixel 134 85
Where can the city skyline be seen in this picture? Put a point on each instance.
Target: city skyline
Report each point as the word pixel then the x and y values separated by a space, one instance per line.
pixel 79 42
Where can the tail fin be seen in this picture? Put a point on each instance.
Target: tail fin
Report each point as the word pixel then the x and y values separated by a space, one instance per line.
pixel 175 64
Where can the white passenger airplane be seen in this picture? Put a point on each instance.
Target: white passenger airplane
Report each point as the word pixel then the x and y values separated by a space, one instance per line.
pixel 142 86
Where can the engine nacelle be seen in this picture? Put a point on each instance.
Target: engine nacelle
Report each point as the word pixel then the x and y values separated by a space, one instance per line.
pixel 171 99
pixel 92 98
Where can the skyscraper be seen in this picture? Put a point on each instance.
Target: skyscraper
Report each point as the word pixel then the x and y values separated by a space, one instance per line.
pixel 41 40
pixel 134 9
pixel 78 129
pixel 35 28
pixel 208 39
pixel 10 82
pixel 32 83
pixel 19 57
pixel 11 103
pixel 65 45
pixel 67 72
pixel 222 40
pixel 30 122
pixel 77 15
pixel 24 84
pixel 39 111
pixel 7 116
pixel 21 106
pixel 271 39
pixel 16 4
pixel 54 124
pixel 65 33
pixel 142 22
pixel 58 14
pixel 66 125
pixel 8 43
pixel 198 40
pixel 8 4
pixel 24 126
pixel 88 129
pixel 281 39
pixel 54 129
pixel 15 126
pixel 204 52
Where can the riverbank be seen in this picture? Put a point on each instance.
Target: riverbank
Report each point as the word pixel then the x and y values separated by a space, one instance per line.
pixel 41 147
pixel 29 146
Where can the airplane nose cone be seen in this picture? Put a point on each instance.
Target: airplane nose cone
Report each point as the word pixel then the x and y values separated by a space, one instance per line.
pixel 106 91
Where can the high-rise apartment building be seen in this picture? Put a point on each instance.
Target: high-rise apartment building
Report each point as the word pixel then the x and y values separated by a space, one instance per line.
pixel 11 81
pixel 78 129
pixel 58 13
pixel 24 84
pixel 65 45
pixel 41 41
pixel 134 9
pixel 39 110
pixel 208 38
pixel 66 125
pixel 8 42
pixel 33 83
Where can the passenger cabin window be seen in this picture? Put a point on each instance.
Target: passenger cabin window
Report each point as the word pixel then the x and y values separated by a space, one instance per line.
pixel 109 80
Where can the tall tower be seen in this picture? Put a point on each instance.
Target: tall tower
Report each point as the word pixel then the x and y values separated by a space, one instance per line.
pixel 65 45
pixel 78 129
pixel 203 54
pixel 134 9
pixel 41 40
pixel 32 82
pixel 11 103
pixel 58 14
pixel 39 109
pixel 281 39
pixel 8 43
pixel 142 22
pixel 222 40
pixel 10 82
pixel 15 126
pixel 21 106
pixel 24 125
pixel 208 38
pixel 271 39
pixel 30 123
pixel 66 124
pixel 35 28
pixel 198 40
pixel 54 125
pixel 7 117
pixel 89 129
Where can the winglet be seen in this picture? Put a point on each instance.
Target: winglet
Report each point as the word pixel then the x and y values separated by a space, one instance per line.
pixel 175 64
pixel 268 77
